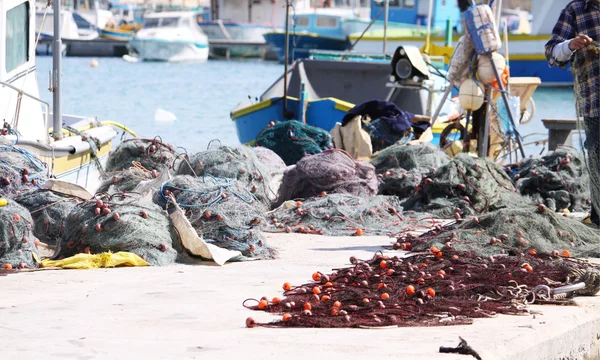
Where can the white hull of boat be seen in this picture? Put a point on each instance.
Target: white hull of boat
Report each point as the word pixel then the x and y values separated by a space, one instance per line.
pixel 172 51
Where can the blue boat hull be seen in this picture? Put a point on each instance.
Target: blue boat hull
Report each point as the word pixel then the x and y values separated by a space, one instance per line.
pixel 301 44
pixel 539 68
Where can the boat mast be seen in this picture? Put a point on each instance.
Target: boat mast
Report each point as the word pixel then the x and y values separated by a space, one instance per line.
pixel 385 25
pixel 287 56
pixel 56 74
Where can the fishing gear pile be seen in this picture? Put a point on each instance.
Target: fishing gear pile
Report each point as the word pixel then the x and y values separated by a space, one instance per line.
pixel 343 215
pixel 223 211
pixel 466 186
pixel 270 159
pixel 332 171
pixel 48 210
pixel 435 288
pixel 18 245
pixel 559 180
pixel 20 171
pixel 241 163
pixel 120 222
pixel 151 154
pixel 126 180
pixel 401 168
pixel 511 231
pixel 293 140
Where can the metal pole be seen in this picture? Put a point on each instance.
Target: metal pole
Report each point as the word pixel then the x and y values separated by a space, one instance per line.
pixel 385 25
pixel 484 129
pixel 56 74
pixel 429 20
pixel 287 56
pixel 441 104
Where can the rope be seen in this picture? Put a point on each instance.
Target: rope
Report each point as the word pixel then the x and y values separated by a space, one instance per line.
pixel 93 147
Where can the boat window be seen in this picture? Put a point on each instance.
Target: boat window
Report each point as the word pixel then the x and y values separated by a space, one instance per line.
pixel 381 3
pixel 17 36
pixel 301 21
pixel 409 4
pixel 329 22
pixel 185 22
pixel 169 22
pixel 150 23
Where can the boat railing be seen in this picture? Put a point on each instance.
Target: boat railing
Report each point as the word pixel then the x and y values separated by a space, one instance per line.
pixel 21 93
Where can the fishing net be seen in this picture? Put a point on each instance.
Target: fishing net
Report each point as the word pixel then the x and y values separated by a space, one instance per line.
pixel 19 171
pixel 48 210
pixel 241 163
pixel 401 168
pixel 559 180
pixel 120 222
pixel 151 154
pixel 332 171
pixel 125 180
pixel 292 140
pixel 223 211
pixel 466 186
pixel 512 231
pixel 18 245
pixel 425 290
pixel 270 159
pixel 343 214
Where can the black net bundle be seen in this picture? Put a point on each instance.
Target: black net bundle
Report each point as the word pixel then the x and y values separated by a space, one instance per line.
pixel 18 245
pixel 513 231
pixel 342 215
pixel 125 180
pixel 223 211
pixel 332 171
pixel 20 171
pixel 241 163
pixel 402 167
pixel 152 154
pixel 292 140
pixel 559 180
pixel 422 290
pixel 466 186
pixel 49 210
pixel 120 222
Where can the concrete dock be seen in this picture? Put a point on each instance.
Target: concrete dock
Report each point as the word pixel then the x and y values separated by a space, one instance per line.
pixel 195 312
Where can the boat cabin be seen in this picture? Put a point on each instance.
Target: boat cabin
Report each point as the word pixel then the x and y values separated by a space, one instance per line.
pixel 169 20
pixel 417 11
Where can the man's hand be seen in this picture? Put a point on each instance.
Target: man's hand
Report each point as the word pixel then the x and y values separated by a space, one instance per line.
pixel 579 42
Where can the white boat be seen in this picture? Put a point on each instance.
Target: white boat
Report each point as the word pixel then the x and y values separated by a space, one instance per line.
pixel 74 148
pixel 44 27
pixel 171 36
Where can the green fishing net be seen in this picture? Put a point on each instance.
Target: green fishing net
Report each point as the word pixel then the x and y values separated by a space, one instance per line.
pixel 151 154
pixel 292 140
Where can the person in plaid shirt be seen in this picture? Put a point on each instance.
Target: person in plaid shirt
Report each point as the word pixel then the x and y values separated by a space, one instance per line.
pixel 574 40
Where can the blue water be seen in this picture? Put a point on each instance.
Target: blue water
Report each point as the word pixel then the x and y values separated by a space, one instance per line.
pixel 200 95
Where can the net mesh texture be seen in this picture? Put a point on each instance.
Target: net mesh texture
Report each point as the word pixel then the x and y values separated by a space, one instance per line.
pixel 18 245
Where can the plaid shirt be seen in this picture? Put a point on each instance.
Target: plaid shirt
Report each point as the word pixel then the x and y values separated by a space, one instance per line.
pixel 580 17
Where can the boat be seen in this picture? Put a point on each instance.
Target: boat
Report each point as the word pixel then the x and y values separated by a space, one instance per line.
pixel 237 32
pixel 73 148
pixel 527 57
pixel 127 20
pixel 44 28
pixel 171 36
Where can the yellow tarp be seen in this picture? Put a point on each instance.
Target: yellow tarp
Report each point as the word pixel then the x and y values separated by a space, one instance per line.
pixel 89 261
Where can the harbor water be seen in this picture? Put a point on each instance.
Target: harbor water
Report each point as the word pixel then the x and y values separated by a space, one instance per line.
pixel 200 95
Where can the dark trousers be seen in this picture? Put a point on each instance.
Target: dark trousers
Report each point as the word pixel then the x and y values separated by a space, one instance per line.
pixel 592 144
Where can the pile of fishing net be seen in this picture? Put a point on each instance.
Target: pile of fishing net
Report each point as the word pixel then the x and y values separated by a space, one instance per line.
pixel 19 171
pixel 512 231
pixel 342 215
pixel 332 171
pixel 49 210
pixel 401 167
pixel 241 163
pixel 18 245
pixel 125 180
pixel 151 154
pixel 223 211
pixel 292 140
pixel 425 290
pixel 559 180
pixel 120 222
pixel 465 186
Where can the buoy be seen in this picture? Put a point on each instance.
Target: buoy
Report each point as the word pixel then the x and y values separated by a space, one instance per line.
pixel 129 58
pixel 470 95
pixel 94 63
pixel 485 71
pixel 3 202
pixel 161 115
